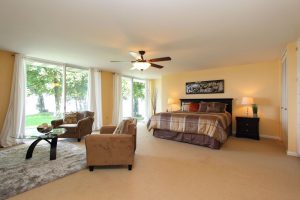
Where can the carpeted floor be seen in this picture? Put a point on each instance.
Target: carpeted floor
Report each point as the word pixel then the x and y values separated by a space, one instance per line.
pixel 19 175
pixel 242 169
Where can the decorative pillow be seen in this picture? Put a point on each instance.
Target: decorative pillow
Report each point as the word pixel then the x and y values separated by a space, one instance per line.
pixel 203 106
pixel 194 107
pixel 185 107
pixel 216 107
pixel 70 118
pixel 122 128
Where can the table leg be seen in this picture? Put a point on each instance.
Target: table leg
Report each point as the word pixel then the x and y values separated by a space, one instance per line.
pixel 53 149
pixel 31 148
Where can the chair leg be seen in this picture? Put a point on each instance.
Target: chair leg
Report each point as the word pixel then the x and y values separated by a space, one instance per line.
pixel 91 168
pixel 129 167
pixel 78 139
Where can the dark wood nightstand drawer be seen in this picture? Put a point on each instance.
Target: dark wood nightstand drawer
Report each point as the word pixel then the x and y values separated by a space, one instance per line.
pixel 247 127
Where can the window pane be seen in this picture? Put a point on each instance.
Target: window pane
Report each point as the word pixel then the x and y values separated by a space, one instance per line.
pixel 127 97
pixel 76 89
pixel 43 94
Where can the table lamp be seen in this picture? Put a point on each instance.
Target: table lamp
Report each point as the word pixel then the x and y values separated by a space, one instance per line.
pixel 247 101
pixel 171 101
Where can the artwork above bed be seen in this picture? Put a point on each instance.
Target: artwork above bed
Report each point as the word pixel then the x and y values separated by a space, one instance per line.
pixel 205 87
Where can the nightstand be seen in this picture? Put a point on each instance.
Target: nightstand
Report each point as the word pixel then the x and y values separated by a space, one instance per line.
pixel 247 127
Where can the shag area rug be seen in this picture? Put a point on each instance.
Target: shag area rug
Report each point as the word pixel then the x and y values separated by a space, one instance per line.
pixel 19 175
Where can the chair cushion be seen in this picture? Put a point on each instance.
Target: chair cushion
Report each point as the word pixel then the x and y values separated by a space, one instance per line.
pixel 70 118
pixel 122 128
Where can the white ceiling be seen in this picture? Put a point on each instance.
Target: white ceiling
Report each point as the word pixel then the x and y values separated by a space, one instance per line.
pixel 195 33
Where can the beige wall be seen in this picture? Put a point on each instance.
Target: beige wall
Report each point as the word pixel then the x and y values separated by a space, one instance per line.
pixel 292 97
pixel 107 97
pixel 6 70
pixel 260 81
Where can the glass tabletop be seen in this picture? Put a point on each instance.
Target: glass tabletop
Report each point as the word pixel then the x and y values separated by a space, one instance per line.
pixel 35 134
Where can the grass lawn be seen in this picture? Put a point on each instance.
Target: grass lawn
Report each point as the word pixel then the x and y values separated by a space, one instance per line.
pixel 37 119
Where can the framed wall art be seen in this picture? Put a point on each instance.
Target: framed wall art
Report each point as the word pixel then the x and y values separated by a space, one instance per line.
pixel 205 87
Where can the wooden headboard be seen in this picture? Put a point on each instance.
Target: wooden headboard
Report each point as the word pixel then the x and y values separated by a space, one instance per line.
pixel 227 101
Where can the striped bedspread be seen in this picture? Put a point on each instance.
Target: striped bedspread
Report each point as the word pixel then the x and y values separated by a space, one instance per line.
pixel 211 124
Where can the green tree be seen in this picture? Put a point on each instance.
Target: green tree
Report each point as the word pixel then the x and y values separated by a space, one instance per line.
pixel 77 87
pixel 138 93
pixel 36 85
pixel 44 80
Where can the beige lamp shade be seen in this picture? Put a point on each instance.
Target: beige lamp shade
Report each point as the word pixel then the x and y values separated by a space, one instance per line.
pixel 171 101
pixel 247 101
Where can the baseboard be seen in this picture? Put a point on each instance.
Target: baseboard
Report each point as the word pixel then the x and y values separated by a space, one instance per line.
pixel 292 153
pixel 270 137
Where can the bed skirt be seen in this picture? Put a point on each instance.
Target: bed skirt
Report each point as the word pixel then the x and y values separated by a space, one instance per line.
pixel 197 139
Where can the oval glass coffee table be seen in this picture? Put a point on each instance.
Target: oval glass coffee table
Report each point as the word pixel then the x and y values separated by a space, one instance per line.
pixel 50 137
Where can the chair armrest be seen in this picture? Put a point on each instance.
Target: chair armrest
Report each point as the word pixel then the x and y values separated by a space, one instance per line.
pixel 107 129
pixel 56 123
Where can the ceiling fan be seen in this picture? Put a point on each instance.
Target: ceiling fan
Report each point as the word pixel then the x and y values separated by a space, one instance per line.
pixel 142 64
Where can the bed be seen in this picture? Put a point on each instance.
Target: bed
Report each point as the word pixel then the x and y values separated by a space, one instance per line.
pixel 208 129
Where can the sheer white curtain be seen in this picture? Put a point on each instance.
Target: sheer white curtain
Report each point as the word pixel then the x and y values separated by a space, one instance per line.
pixel 117 106
pixel 95 98
pixel 14 124
pixel 148 99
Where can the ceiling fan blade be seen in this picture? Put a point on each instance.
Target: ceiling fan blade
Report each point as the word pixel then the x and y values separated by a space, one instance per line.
pixel 137 56
pixel 157 66
pixel 160 59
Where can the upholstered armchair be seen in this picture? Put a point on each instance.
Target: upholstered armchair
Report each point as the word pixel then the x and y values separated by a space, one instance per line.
pixel 108 148
pixel 77 128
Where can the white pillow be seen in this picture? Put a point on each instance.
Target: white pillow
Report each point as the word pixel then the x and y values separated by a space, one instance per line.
pixel 122 128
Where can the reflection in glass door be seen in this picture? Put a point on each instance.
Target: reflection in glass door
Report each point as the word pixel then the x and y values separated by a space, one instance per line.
pixel 127 97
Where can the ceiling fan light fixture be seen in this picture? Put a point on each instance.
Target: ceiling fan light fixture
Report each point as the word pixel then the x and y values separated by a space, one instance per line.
pixel 141 65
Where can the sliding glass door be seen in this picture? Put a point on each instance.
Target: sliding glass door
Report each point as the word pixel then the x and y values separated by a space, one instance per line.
pixel 52 90
pixel 134 98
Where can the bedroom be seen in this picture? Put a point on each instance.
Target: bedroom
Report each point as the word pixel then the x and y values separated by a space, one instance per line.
pixel 211 40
